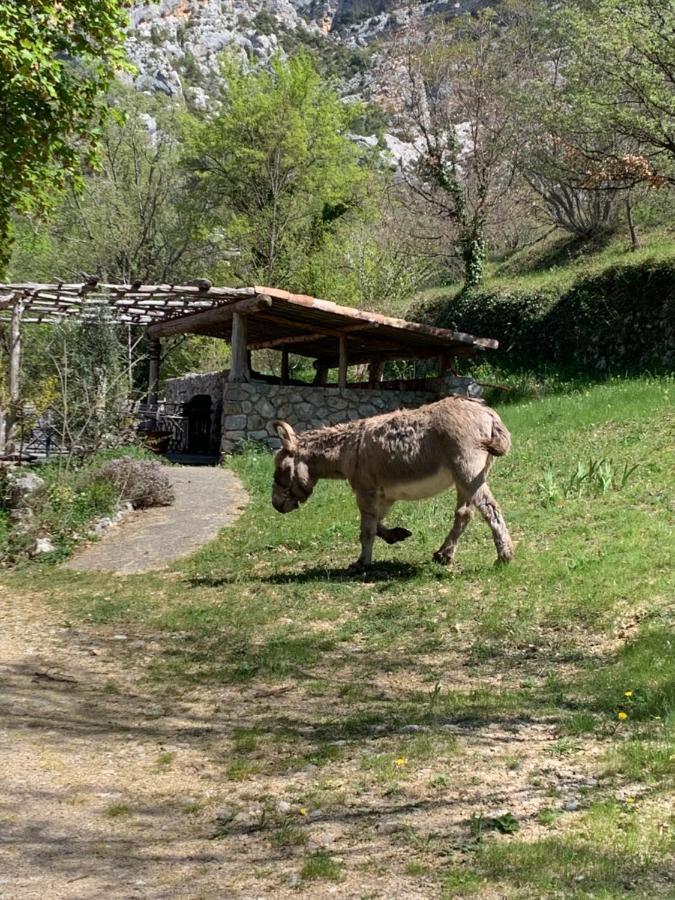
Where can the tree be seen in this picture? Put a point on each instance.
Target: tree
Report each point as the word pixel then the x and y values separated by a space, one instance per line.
pixel 597 108
pixel 279 163
pixel 135 217
pixel 620 78
pixel 56 60
pixel 458 75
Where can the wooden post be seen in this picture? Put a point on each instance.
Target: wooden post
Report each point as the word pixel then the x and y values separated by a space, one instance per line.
pixel 154 356
pixel 14 378
pixel 342 370
pixel 375 372
pixel 239 369
pixel 321 377
pixel 285 370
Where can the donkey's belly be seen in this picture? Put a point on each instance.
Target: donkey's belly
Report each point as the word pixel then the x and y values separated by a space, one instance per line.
pixel 420 488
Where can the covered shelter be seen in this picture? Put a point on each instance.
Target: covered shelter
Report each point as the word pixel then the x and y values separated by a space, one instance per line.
pixel 249 318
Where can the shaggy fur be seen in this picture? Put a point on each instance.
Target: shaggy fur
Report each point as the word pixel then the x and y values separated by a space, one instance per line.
pixel 405 455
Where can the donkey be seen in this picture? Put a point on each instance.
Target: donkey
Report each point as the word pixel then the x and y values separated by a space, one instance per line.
pixel 409 454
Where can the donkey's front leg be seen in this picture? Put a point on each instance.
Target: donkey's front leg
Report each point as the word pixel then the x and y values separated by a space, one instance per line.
pixel 369 521
pixel 390 535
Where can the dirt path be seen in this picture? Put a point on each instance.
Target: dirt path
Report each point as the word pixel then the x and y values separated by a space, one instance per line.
pixel 119 787
pixel 207 499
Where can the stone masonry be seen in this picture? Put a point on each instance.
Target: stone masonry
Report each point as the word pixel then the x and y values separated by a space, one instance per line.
pixel 249 408
pixel 242 412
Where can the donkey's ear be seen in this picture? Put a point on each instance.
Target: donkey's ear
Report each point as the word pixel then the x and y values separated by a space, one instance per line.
pixel 289 439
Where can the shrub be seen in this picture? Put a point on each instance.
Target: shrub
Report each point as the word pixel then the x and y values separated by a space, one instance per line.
pixel 620 319
pixel 144 483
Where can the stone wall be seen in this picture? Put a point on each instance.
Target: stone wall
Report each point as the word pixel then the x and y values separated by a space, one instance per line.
pixel 178 391
pixel 242 412
pixel 249 408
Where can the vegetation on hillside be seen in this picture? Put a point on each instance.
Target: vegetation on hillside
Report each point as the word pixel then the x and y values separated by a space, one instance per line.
pixel 56 62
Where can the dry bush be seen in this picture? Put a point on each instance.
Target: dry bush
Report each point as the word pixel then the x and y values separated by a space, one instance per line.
pixel 144 483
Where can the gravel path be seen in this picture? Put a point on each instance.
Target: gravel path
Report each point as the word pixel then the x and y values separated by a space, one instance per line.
pixel 207 499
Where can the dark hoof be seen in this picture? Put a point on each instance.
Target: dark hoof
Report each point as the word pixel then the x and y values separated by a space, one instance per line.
pixel 442 558
pixel 503 560
pixel 398 534
pixel 357 568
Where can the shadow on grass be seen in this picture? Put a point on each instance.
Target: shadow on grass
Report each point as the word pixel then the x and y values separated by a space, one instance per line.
pixel 388 570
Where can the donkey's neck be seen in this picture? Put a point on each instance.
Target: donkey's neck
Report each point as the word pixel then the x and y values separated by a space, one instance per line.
pixel 324 450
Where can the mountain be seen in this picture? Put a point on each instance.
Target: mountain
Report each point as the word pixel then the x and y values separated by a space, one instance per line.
pixel 175 44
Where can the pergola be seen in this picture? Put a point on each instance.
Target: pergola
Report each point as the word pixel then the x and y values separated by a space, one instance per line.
pixel 250 318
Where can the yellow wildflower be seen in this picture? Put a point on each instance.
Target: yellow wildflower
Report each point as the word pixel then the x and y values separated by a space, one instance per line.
pixel 622 715
pixel 630 799
pixel 303 810
pixel 401 761
pixel 628 693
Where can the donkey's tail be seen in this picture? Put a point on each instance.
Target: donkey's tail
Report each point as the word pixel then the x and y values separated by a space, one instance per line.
pixel 499 442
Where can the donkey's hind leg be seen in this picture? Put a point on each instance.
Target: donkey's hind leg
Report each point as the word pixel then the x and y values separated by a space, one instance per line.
pixel 488 507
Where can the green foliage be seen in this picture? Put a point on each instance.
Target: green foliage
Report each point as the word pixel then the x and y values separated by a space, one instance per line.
pixel 321 865
pixel 136 217
pixel 620 318
pixel 279 163
pixel 71 499
pixel 87 363
pixel 56 61
pixel 620 76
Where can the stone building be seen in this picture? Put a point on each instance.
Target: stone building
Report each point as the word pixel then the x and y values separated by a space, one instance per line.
pixel 218 412
pixel 221 411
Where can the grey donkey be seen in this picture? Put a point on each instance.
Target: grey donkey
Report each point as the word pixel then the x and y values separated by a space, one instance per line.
pixel 409 454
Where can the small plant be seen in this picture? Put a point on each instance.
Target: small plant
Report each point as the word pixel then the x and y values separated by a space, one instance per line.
pixel 416 868
pixel 288 835
pixel 434 696
pixel 117 810
pixel 547 816
pixel 548 487
pixel 505 824
pixel 321 865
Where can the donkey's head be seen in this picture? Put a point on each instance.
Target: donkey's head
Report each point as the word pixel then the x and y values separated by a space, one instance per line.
pixel 292 481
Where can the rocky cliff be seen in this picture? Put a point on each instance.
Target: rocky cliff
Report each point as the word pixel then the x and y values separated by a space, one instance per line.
pixel 175 44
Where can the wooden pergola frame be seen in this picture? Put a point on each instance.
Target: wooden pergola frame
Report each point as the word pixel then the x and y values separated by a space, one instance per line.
pixel 250 318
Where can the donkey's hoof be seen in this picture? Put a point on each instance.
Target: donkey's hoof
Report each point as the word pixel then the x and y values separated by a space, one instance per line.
pixel 398 534
pixel 357 568
pixel 503 560
pixel 442 558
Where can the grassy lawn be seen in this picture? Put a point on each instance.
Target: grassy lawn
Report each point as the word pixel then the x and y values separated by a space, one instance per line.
pixel 518 723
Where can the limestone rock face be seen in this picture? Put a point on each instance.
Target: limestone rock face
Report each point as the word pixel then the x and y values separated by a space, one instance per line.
pixel 175 46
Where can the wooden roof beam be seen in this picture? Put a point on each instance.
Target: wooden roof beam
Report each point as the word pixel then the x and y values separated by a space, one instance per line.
pixel 209 318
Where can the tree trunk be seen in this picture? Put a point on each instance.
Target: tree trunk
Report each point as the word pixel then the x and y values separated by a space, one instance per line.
pixel 474 251
pixel 634 239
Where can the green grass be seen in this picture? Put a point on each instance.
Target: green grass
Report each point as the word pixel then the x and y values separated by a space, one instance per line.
pixel 576 631
pixel 321 866
pixel 556 263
